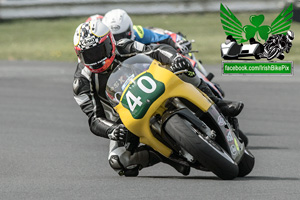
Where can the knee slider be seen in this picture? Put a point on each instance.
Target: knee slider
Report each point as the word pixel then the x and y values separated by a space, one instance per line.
pixel 115 163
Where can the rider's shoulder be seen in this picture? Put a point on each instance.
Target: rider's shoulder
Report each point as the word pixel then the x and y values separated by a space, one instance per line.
pixel 136 27
pixel 138 30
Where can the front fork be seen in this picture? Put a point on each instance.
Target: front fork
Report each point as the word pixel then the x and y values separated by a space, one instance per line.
pixel 175 106
pixel 228 132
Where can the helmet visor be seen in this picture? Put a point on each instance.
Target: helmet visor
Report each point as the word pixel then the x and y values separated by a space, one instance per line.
pixel 98 54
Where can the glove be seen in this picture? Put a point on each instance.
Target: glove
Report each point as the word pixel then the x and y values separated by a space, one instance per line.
pixel 184 46
pixel 182 63
pixel 117 133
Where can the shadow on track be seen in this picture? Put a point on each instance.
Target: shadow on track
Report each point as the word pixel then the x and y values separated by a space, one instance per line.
pixel 247 178
pixel 267 178
pixel 183 177
pixel 267 148
pixel 258 134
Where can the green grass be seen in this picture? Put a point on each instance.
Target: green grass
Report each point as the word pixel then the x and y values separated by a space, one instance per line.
pixel 44 39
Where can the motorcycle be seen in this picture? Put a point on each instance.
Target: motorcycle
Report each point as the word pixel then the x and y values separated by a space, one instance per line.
pixel 200 69
pixel 272 51
pixel 176 119
pixel 233 50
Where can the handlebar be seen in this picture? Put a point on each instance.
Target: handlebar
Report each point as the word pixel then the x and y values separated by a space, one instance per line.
pixel 181 72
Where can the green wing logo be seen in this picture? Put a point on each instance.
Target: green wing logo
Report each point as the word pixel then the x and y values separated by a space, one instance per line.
pixel 233 26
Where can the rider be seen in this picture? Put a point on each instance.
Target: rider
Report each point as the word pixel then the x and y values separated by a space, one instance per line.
pixel 98 53
pixel 285 41
pixel 122 27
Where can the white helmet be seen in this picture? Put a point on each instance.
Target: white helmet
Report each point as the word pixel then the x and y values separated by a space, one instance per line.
pixel 119 23
pixel 290 35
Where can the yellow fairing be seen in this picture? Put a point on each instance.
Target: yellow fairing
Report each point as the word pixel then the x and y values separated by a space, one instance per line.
pixel 174 87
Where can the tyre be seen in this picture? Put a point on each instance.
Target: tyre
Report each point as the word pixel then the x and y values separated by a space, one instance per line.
pixel 204 150
pixel 257 56
pixel 281 57
pixel 272 53
pixel 246 164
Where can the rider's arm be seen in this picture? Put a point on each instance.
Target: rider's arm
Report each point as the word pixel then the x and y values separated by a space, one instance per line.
pixel 165 54
pixel 98 123
pixel 169 41
pixel 272 39
pixel 146 36
pixel 161 52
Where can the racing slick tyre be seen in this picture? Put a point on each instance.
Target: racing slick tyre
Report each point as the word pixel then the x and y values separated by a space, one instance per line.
pixel 202 148
pixel 281 57
pixel 246 164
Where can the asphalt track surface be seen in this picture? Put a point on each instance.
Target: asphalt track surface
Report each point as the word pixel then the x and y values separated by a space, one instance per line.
pixel 48 152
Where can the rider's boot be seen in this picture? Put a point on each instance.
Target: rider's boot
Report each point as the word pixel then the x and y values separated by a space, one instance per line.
pixel 180 166
pixel 228 108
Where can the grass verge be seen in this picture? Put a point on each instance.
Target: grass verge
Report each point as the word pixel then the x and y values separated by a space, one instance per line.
pixel 52 39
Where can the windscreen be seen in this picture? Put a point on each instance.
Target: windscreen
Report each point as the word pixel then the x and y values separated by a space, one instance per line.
pixel 123 74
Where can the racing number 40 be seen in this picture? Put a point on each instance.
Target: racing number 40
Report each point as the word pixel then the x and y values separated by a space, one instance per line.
pixel 132 100
pixel 136 101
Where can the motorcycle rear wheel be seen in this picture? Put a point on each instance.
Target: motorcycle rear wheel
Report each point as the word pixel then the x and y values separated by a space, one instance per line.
pixel 203 149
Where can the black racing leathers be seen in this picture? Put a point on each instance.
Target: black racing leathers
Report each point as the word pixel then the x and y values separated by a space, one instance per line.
pixel 89 88
pixel 168 41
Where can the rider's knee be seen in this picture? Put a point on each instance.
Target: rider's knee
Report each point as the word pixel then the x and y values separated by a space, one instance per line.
pixel 115 163
pixel 123 161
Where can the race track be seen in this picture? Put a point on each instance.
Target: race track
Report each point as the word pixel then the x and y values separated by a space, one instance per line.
pixel 48 152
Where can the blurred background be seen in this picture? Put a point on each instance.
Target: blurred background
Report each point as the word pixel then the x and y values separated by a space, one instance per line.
pixel 43 29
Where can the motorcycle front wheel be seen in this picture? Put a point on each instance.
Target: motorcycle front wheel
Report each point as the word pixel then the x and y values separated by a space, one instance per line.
pixel 273 53
pixel 202 148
